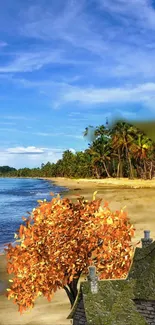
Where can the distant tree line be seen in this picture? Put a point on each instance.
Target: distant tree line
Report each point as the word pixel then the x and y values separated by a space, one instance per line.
pixel 120 151
pixel 5 170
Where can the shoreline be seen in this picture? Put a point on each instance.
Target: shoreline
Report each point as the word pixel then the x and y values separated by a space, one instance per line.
pixel 138 198
pixel 104 182
pixel 86 187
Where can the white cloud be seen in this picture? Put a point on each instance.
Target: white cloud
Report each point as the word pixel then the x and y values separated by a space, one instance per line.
pixel 72 150
pixel 18 160
pixel 15 157
pixel 123 49
pixel 49 23
pixel 65 93
pixel 25 150
pixel 27 62
pixel 117 50
pixel 142 10
pixel 129 62
pixel 70 24
pixel 140 93
pixel 75 25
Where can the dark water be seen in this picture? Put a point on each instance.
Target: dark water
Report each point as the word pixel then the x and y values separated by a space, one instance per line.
pixel 17 196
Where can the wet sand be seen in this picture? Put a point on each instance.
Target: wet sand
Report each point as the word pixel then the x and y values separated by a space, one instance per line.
pixel 139 199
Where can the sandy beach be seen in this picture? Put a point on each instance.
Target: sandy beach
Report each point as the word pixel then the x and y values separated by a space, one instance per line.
pixel 139 198
pixel 137 195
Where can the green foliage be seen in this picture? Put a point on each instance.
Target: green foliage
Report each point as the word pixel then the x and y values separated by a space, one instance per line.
pixel 123 150
pixel 7 171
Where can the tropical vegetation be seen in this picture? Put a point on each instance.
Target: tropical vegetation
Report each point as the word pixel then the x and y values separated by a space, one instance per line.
pixel 122 150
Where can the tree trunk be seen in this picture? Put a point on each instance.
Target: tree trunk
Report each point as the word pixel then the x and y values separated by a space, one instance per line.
pixel 118 166
pixel 129 161
pixel 96 172
pixel 150 168
pixel 151 171
pixel 131 170
pixel 108 175
pixel 114 168
pixel 71 290
pixel 121 170
pixel 70 296
pixel 145 170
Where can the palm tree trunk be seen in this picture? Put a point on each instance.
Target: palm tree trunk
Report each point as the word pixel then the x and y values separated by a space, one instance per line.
pixel 108 175
pixel 113 167
pixel 121 169
pixel 118 167
pixel 96 172
pixel 145 170
pixel 129 160
pixel 131 170
pixel 151 170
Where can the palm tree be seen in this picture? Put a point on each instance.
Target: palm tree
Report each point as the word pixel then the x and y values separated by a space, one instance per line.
pixel 83 163
pixel 68 161
pixel 101 156
pixel 142 149
pixel 99 149
pixel 123 135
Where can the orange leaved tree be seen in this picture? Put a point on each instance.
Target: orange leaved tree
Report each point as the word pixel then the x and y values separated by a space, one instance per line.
pixel 64 239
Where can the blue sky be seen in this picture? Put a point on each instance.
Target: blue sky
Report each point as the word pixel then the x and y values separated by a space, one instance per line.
pixel 68 64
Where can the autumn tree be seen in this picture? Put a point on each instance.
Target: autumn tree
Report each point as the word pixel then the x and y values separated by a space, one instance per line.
pixel 63 240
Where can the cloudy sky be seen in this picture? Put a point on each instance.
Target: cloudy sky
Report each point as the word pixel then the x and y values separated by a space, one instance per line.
pixel 68 64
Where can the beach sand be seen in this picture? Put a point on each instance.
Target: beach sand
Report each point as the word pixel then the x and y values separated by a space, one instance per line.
pixel 139 198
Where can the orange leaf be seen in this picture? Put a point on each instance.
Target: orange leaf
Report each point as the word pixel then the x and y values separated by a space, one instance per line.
pixel 106 204
pixel 62 235
pixel 71 278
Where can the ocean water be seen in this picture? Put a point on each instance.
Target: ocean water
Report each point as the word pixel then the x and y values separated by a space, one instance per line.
pixel 17 197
